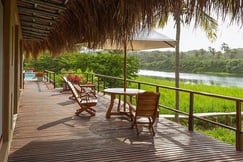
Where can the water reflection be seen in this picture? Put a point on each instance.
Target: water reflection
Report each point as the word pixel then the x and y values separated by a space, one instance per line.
pixel 230 81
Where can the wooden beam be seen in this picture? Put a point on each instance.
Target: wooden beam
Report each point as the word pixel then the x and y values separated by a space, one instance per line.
pixel 36 30
pixel 37 11
pixel 55 6
pixel 43 24
pixel 63 2
pixel 36 26
pixel 35 17
pixel 34 33
pixel 33 38
pixel 29 36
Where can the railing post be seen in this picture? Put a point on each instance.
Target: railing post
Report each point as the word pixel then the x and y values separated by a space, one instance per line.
pixel 139 86
pixel 54 80
pixel 239 135
pixel 104 83
pixel 87 76
pixel 158 109
pixel 98 88
pixel 47 75
pixel 92 78
pixel 115 81
pixel 190 120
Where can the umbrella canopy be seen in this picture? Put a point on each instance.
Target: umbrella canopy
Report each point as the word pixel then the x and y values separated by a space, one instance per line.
pixel 141 41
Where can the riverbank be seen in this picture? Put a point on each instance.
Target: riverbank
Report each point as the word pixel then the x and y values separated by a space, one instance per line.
pixel 190 78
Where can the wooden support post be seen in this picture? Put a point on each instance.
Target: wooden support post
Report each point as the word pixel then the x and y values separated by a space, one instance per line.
pixel 98 86
pixel 54 80
pixel 239 134
pixel 190 120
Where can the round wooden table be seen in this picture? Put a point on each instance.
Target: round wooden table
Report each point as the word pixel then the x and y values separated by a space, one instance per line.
pixel 120 91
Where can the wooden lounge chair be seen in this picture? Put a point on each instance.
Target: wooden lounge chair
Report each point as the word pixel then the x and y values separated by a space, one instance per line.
pixel 145 111
pixel 65 86
pixel 86 101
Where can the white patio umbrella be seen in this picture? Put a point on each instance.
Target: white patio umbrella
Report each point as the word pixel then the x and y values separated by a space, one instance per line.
pixel 142 41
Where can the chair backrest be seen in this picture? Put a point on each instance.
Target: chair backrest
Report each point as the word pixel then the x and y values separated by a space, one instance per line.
pixel 147 104
pixel 65 79
pixel 71 86
pixel 82 100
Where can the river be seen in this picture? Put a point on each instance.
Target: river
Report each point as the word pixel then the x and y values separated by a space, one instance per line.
pixel 228 81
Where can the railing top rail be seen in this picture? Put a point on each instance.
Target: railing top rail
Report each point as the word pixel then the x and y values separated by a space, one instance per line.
pixel 49 71
pixel 173 88
pixel 71 73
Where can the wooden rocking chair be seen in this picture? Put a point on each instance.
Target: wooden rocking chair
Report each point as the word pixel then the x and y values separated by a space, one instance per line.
pixel 145 111
pixel 86 101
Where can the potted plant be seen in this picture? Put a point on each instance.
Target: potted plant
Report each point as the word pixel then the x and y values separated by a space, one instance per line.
pixel 75 79
pixel 30 69
pixel 39 75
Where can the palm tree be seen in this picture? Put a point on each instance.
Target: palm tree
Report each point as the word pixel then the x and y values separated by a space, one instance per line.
pixel 225 48
pixel 202 19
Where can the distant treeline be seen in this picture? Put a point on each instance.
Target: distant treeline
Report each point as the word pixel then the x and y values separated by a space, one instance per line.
pixel 105 63
pixel 196 61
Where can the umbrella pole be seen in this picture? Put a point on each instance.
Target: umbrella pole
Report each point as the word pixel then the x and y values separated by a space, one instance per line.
pixel 125 64
pixel 125 70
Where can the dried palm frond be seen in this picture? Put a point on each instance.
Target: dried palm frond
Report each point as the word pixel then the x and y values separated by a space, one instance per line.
pixel 94 21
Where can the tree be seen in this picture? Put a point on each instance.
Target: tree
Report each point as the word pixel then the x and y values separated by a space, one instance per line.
pixel 105 63
pixel 182 15
pixel 211 50
pixel 225 48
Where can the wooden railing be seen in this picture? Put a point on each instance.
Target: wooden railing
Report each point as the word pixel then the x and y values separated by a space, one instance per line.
pixel 101 83
pixel 104 81
pixel 50 77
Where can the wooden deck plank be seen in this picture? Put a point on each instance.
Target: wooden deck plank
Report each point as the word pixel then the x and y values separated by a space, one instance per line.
pixel 48 130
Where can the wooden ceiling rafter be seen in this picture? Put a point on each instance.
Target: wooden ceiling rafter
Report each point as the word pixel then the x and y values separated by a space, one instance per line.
pixel 40 5
pixel 37 11
pixel 34 37
pixel 43 3
pixel 33 22
pixel 30 36
pixel 35 33
pixel 38 16
pixel 35 25
pixel 30 28
pixel 56 2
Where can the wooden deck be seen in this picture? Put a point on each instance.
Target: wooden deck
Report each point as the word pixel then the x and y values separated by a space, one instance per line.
pixel 47 130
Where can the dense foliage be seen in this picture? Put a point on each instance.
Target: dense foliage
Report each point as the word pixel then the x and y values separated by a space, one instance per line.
pixel 196 61
pixel 100 63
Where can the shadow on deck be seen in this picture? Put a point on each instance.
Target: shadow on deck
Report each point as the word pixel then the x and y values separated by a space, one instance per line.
pixel 48 130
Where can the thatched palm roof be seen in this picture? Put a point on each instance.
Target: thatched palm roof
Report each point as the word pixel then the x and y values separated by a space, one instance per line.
pixel 95 21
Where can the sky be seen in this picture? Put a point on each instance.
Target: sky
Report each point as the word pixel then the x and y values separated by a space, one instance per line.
pixel 195 39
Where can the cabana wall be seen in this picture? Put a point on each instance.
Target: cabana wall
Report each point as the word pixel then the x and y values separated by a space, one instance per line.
pixel 10 70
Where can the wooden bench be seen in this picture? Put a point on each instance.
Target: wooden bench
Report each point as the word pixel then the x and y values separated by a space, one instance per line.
pixel 86 101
